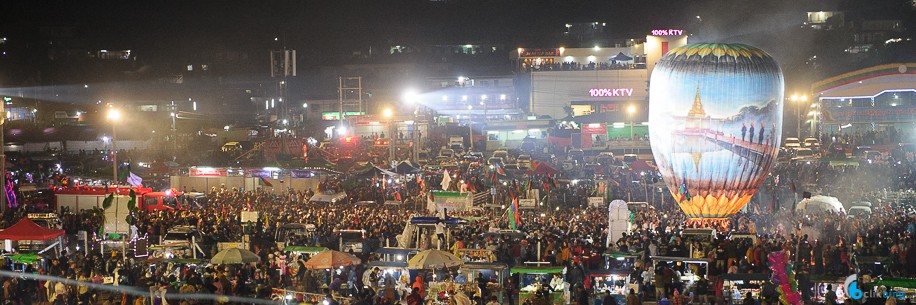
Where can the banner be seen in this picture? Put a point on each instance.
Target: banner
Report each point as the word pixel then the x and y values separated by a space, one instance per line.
pixel 596 202
pixel 208 172
pixel 868 114
pixel 299 173
pixel 527 203
pixel 258 173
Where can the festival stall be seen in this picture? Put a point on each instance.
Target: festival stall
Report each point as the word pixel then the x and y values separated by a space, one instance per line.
pixel 689 268
pixel 27 230
pixel 468 255
pixel 393 261
pixel 439 288
pixel 820 287
pixel 900 288
pixel 742 283
pixel 494 273
pixel 533 279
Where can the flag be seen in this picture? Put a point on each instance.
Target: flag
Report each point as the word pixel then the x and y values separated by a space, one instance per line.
pixel 266 183
pixel 500 170
pixel 792 186
pixel 683 192
pixel 513 215
pixel 248 200
pixel 446 180
pixel 134 180
pixel 432 196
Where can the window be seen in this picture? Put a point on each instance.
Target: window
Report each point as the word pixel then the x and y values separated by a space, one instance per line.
pixel 190 67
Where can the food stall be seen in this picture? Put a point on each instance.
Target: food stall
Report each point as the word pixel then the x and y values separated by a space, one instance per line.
pixel 900 288
pixel 393 261
pixel 689 268
pixel 531 279
pixel 820 287
pixel 495 273
pixel 614 281
pixel 475 255
pixel 739 284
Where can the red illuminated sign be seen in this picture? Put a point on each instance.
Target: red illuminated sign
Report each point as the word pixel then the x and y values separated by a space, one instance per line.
pixel 539 52
pixel 208 172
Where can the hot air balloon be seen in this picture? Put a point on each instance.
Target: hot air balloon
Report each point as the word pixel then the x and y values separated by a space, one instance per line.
pixel 715 117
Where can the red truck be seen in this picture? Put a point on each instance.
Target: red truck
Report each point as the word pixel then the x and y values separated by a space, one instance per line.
pixel 83 198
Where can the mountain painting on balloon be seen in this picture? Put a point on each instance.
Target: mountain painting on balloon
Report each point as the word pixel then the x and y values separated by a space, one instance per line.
pixel 715 119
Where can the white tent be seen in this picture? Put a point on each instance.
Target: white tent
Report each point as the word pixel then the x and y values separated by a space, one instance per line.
pixel 820 205
pixel 618 220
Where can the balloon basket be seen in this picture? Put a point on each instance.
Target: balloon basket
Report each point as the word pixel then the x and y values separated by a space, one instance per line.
pixel 720 224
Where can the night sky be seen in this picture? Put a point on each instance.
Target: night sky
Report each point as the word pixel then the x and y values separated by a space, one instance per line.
pixel 163 32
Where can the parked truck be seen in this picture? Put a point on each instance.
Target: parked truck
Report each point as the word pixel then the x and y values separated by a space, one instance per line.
pixel 85 198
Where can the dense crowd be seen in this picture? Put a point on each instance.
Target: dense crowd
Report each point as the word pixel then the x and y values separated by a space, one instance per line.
pixel 567 232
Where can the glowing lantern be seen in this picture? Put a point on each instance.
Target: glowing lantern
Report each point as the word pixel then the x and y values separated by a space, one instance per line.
pixel 715 119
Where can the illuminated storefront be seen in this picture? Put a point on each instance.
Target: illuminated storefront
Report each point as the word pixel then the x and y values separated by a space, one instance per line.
pixel 879 98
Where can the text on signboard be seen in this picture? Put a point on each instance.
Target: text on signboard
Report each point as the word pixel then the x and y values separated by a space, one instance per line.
pixel 605 92
pixel 667 32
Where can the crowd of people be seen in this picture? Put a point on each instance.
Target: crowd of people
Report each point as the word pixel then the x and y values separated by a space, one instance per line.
pixel 566 232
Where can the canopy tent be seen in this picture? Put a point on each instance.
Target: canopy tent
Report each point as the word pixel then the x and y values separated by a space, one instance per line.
pixel 406 168
pixel 641 166
pixel 372 171
pixel 26 229
pixel 820 205
pixel 621 57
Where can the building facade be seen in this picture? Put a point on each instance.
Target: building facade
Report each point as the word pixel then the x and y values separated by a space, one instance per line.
pixel 879 99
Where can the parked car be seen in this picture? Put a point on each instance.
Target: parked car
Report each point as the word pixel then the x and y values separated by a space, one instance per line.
pixel 812 143
pixel 792 143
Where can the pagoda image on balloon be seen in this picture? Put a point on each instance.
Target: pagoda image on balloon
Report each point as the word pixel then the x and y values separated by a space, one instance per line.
pixel 715 119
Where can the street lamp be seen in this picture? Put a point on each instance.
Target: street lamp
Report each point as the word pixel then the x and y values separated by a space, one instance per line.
pixel 114 116
pixel 798 100
pixel 410 96
pixel 630 111
pixel 388 114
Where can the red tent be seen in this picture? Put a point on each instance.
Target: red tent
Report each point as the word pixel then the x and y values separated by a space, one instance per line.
pixel 25 229
pixel 642 166
pixel 541 168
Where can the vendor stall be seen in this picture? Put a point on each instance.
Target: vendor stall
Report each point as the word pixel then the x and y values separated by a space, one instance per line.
pixel 476 255
pixel 740 284
pixel 820 283
pixel 900 288
pixel 614 281
pixel 689 269
pixel 533 279
pixel 494 273
pixel 27 231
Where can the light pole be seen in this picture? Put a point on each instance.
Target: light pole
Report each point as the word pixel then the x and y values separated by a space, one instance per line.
pixel 798 100
pixel 388 113
pixel 114 116
pixel 630 111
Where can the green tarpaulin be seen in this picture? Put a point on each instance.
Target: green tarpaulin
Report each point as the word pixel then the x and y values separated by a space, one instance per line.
pixel 537 270
pixel 897 282
pixel 304 249
pixel 26 258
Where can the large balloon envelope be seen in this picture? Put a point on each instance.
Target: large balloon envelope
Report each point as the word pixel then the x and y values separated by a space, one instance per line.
pixel 715 117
